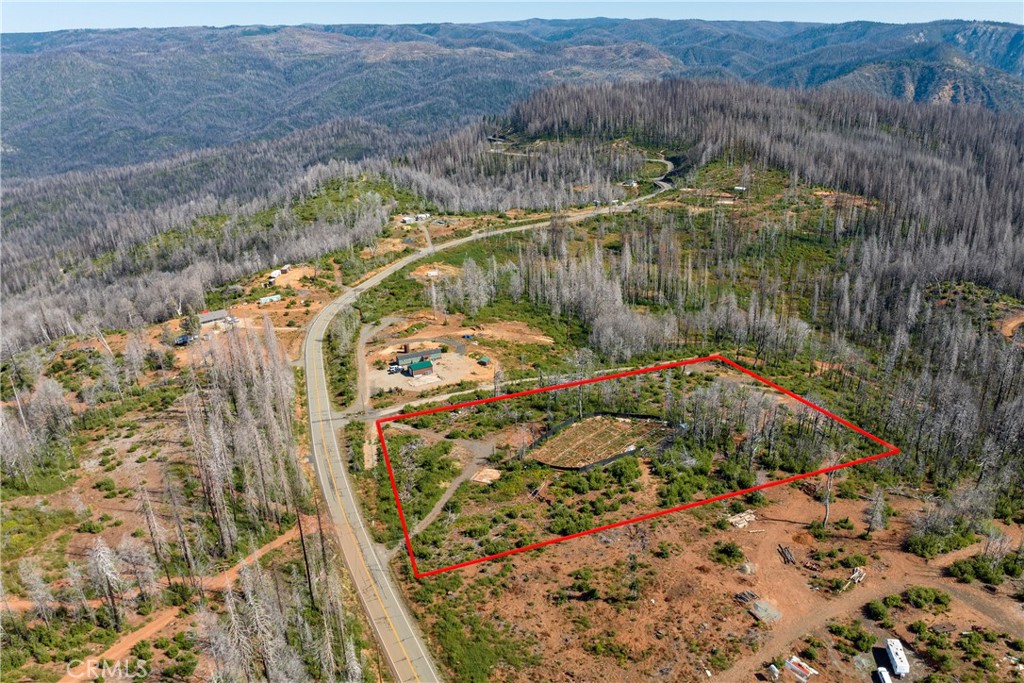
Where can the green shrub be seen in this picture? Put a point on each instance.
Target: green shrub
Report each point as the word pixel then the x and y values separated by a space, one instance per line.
pixel 970 643
pixel 979 567
pixel 663 551
pixel 939 678
pixel 923 597
pixel 851 561
pixel 894 601
pixel 565 521
pixel 581 584
pixel 142 650
pixel 844 523
pixel 727 553
pixel 859 639
pixel 1013 565
pixel 928 544
pixel 12 658
pixel 90 526
pixel 943 661
pixel 987 662
pixel 818 530
pixel 876 610
pixel 624 470
pixel 184 666
pixel 918 627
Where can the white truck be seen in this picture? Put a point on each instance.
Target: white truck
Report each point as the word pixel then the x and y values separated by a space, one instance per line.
pixel 898 658
pixel 883 675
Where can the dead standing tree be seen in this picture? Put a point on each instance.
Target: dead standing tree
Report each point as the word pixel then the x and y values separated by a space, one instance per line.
pixel 582 360
pixel 105 571
pixel 138 561
pixel 37 589
pixel 832 461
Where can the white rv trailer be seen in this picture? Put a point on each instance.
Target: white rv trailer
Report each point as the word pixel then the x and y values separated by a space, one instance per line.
pixel 900 663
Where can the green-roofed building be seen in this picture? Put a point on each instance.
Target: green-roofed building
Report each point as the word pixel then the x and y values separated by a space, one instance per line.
pixel 424 367
pixel 407 359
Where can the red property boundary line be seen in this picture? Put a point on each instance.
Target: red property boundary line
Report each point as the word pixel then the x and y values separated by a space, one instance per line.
pixel 890 451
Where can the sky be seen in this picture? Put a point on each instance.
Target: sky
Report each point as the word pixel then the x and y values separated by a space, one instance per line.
pixel 19 16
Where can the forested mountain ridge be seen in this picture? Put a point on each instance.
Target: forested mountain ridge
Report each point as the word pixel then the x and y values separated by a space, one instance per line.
pixel 75 100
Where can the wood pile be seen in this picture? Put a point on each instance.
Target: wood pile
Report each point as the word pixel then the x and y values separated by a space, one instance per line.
pixel 745 597
pixel 741 520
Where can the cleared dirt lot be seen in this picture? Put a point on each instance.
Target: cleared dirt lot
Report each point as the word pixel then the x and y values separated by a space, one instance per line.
pixel 466 346
pixel 451 368
pixel 426 325
pixel 684 620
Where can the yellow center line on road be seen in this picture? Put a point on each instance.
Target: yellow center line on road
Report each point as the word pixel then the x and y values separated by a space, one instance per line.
pixel 359 552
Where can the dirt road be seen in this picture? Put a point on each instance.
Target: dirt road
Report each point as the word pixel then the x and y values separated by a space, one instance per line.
pixel 1008 326
pixel 217 583
pixel 394 628
pixel 479 452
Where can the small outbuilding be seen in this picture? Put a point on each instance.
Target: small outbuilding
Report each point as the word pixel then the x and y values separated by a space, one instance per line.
pixel 801 669
pixel 421 368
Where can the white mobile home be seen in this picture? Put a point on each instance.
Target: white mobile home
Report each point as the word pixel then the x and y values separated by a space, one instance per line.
pixel 208 317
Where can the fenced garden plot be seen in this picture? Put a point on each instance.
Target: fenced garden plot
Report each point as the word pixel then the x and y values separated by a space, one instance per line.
pixel 597 439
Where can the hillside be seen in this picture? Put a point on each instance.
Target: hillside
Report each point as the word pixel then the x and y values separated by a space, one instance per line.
pixel 77 100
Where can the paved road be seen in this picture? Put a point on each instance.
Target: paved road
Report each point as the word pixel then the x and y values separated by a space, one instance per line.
pixel 393 626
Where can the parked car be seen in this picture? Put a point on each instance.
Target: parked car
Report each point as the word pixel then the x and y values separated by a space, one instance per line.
pixel 183 340
pixel 394 369
pixel 883 675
